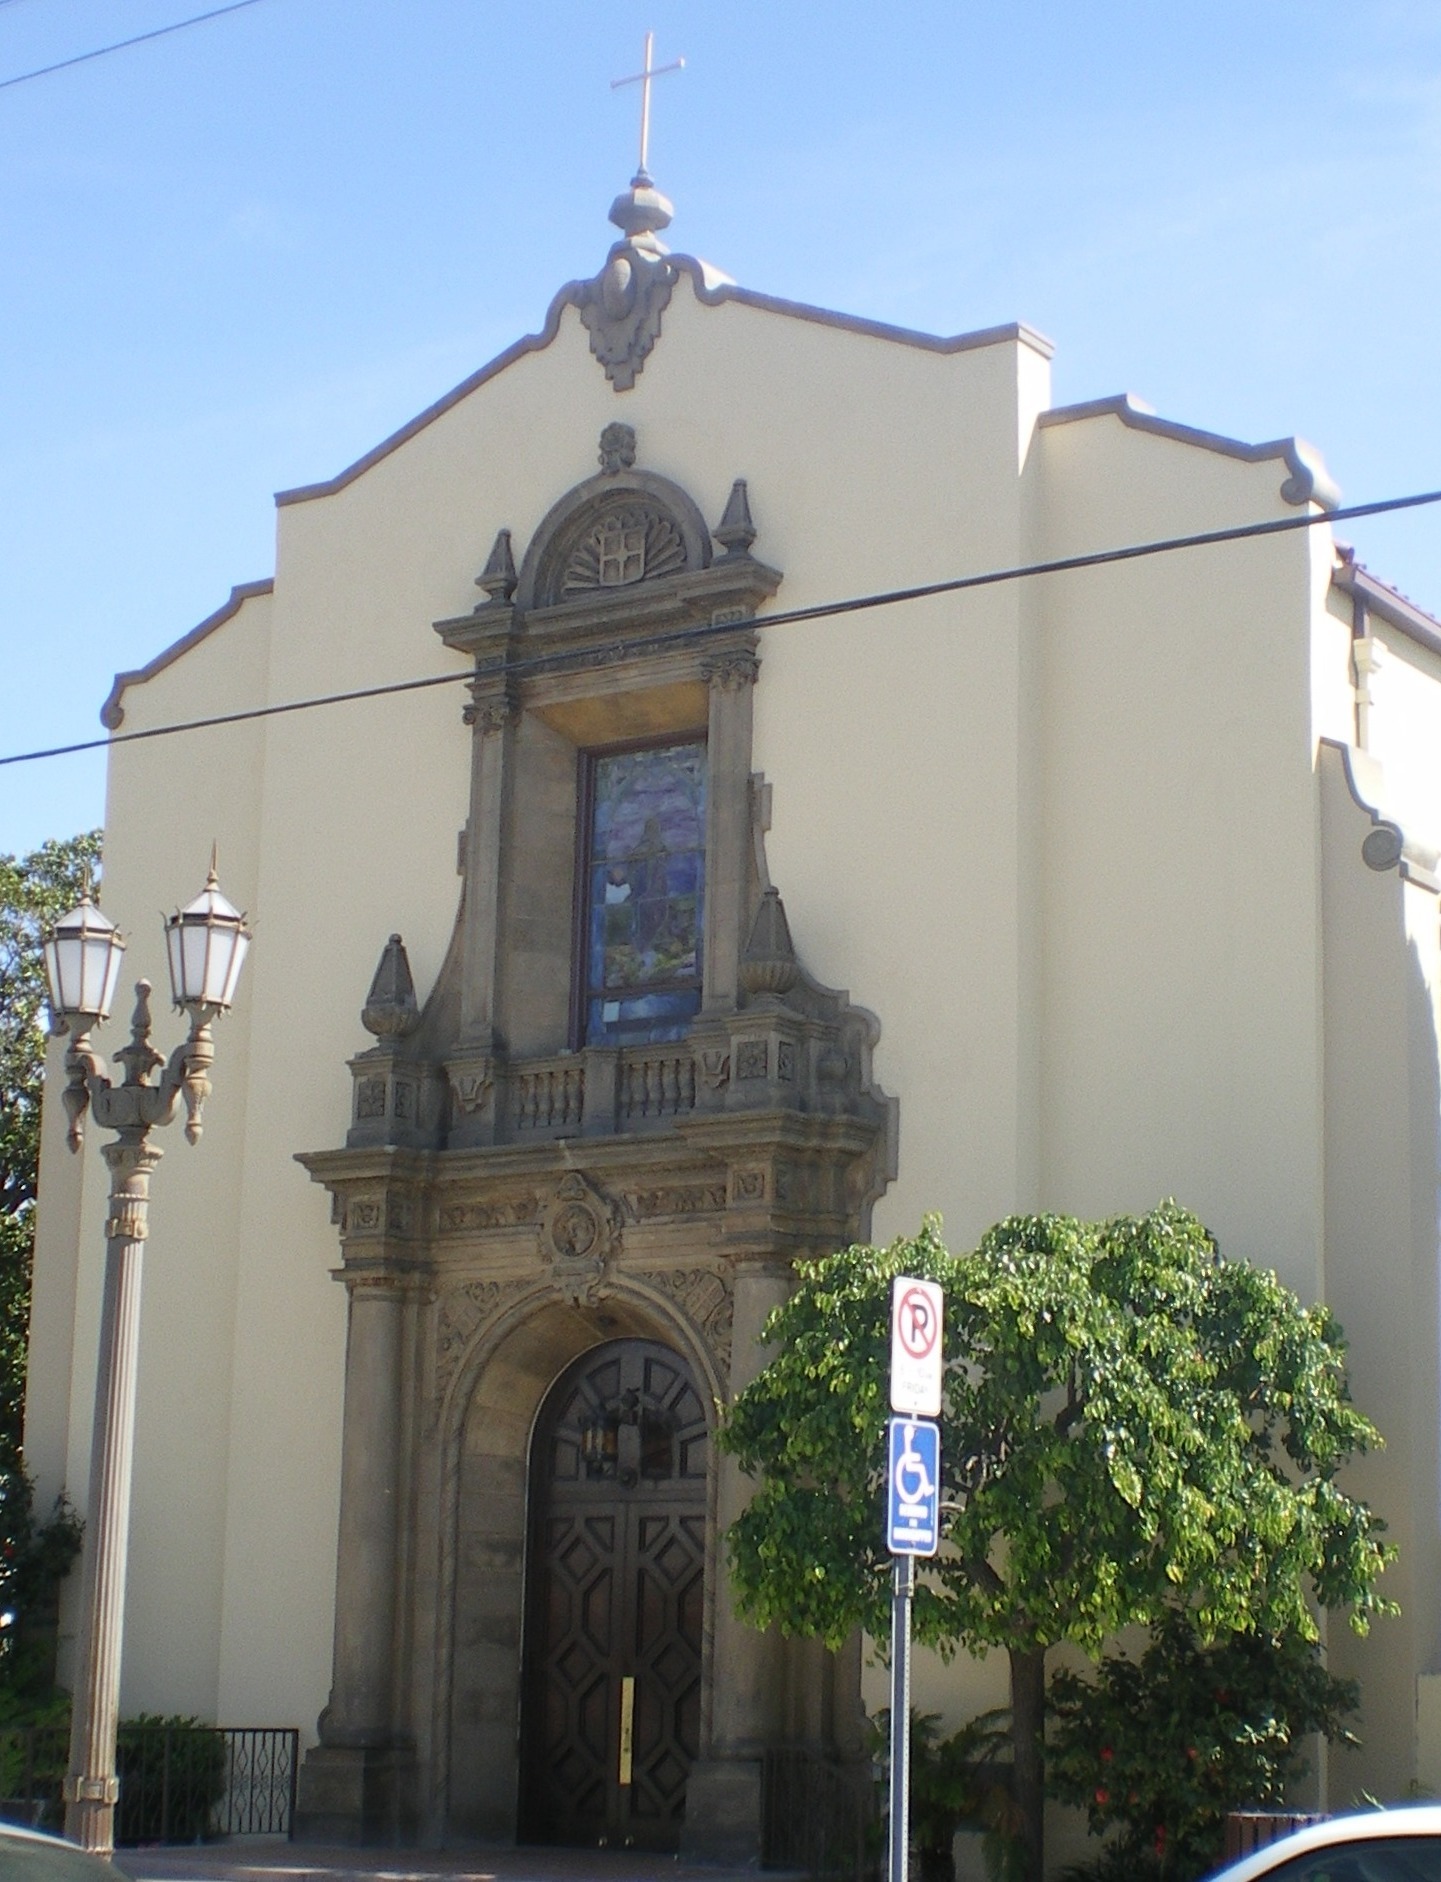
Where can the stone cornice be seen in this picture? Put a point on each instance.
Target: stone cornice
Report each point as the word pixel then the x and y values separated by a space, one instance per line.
pixel 611 623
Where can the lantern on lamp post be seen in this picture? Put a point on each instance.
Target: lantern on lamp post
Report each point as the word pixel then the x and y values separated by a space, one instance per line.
pixel 206 942
pixel 82 964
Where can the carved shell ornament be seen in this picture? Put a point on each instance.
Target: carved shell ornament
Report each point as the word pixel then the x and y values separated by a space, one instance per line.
pixel 635 542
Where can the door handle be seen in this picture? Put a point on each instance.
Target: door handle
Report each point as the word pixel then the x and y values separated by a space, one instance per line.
pixel 627 1727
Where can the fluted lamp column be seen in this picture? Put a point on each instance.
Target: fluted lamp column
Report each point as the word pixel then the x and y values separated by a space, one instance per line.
pixel 206 942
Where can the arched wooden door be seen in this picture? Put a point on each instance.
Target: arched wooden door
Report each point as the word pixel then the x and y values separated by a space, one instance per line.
pixel 615 1600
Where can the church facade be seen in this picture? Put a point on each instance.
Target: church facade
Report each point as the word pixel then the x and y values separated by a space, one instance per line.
pixel 682 927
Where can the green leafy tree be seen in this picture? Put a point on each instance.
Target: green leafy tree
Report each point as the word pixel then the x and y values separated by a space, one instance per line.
pixel 35 890
pixel 1129 1422
pixel 1159 1748
pixel 35 1552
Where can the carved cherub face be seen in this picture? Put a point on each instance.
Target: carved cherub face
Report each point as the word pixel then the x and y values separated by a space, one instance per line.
pixel 617 447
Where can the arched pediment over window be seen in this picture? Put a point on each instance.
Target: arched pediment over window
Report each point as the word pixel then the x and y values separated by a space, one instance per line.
pixel 613 531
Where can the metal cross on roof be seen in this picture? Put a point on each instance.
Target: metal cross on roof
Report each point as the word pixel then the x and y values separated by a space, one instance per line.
pixel 643 79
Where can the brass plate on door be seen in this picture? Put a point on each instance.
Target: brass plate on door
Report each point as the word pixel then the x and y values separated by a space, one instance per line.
pixel 627 1727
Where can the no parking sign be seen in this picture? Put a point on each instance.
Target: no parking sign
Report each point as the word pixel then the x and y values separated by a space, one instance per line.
pixel 916 1320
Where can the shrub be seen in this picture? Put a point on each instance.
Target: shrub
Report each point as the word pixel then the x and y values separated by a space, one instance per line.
pixel 34 1753
pixel 172 1771
pixel 172 1777
pixel 958 1782
pixel 1159 1749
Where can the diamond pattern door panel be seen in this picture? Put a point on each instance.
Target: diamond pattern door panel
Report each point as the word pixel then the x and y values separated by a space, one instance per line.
pixel 616 1593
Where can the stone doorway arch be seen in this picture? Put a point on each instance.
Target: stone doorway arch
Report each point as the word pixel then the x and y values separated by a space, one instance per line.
pixel 514 1366
pixel 615 1600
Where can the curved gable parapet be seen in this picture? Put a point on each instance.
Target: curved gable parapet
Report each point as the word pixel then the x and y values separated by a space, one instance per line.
pixel 1387 846
pixel 1307 481
pixel 112 713
pixel 528 343
pixel 712 289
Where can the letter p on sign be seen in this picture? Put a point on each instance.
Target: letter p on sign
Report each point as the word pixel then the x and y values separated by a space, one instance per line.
pixel 916 1355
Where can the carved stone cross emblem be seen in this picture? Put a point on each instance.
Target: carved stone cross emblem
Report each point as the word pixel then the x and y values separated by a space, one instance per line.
pixel 622 553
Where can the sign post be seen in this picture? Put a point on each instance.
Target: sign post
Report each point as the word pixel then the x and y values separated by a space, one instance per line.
pixel 903 1583
pixel 913 1516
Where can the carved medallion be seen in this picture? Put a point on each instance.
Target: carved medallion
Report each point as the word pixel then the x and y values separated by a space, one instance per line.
pixel 579 1236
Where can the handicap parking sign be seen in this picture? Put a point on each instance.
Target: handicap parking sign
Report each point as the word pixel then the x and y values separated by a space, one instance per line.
pixel 913 1486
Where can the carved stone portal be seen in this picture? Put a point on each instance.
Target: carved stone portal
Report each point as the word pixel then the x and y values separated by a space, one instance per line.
pixel 510 1197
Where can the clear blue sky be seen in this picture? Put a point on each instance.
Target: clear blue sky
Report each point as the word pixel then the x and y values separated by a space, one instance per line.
pixel 234 258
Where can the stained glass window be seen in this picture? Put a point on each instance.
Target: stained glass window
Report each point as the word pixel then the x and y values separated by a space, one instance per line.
pixel 645 892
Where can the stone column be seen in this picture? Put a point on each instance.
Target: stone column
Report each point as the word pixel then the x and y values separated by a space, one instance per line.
pixel 723 1796
pixel 348 1786
pixel 731 677
pixel 91 1788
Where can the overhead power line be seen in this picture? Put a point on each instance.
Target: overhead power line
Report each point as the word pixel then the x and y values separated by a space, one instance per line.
pixel 590 657
pixel 99 52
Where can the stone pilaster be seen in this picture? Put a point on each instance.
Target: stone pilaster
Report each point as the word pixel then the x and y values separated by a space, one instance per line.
pixel 350 1783
pixel 723 1820
pixel 493 718
pixel 731 677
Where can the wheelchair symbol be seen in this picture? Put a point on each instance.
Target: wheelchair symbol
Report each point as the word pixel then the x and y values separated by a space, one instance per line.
pixel 913 1487
pixel 912 1478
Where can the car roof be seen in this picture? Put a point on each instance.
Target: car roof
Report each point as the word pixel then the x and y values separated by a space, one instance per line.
pixel 53 1859
pixel 1404 1820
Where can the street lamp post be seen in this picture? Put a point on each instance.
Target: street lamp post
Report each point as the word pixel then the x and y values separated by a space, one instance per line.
pixel 206 943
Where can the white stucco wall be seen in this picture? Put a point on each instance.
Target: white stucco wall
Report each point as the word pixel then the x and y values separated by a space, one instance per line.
pixel 1405 688
pixel 168 802
pixel 1063 836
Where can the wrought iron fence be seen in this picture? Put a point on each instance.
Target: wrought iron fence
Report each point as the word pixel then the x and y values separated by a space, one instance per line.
pixel 178 1783
pixel 818 1817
